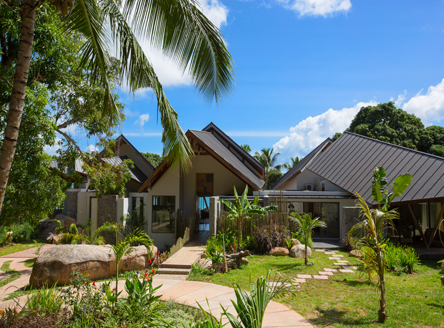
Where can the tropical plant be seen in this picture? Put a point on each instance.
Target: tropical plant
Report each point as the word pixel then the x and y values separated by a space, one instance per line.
pixel 370 231
pixel 305 225
pixel 246 147
pixel 178 27
pixel 294 161
pixel 243 209
pixel 269 161
pixel 266 237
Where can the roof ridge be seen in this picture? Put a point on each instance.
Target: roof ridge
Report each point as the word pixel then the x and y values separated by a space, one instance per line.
pixel 394 145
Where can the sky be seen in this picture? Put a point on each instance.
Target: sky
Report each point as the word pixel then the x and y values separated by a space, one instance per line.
pixel 303 69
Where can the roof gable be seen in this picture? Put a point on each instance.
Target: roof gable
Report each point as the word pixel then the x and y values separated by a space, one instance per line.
pixel 349 163
pixel 299 167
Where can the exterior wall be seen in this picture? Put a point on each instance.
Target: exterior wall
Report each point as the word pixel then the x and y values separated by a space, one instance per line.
pixel 168 185
pixel 83 206
pixel 223 181
pixel 107 212
pixel 350 216
pixel 125 150
pixel 70 203
pixel 308 177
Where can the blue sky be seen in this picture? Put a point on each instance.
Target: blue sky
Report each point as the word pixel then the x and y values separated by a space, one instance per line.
pixel 303 70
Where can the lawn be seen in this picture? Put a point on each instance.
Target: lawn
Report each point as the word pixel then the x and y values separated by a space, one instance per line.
pixel 347 299
pixel 17 247
pixel 13 275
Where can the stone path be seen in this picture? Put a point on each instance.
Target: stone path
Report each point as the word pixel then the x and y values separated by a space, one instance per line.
pixel 17 264
pixel 29 253
pixel 179 265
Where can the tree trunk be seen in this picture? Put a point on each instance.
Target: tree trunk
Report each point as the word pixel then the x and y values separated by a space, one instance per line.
pixel 239 232
pixel 382 314
pixel 17 101
pixel 306 252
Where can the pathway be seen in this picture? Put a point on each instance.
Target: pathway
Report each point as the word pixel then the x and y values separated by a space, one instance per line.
pixel 178 266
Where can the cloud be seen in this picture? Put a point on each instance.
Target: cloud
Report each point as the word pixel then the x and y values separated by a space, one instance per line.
pixel 310 132
pixel 215 11
pixel 400 99
pixel 142 119
pixel 52 149
pixel 317 7
pixel 256 133
pixel 428 107
pixel 92 148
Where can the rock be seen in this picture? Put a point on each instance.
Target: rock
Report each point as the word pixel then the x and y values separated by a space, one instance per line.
pixel 295 242
pixel 65 220
pixel 298 251
pixel 242 261
pixel 442 267
pixel 278 251
pixel 205 263
pixel 354 253
pixel 239 255
pixel 46 227
pixel 154 252
pixel 56 265
pixel 50 238
pixel 203 255
pixel 56 238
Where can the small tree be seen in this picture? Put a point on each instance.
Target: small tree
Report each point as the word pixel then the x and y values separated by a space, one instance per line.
pixel 243 209
pixel 305 225
pixel 370 231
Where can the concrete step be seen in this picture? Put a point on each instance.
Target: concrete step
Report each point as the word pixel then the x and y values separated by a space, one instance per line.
pixel 171 276
pixel 175 266
pixel 173 271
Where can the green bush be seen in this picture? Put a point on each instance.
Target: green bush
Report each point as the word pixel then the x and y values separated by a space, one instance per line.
pixel 268 237
pixel 400 258
pixel 21 232
pixel 215 249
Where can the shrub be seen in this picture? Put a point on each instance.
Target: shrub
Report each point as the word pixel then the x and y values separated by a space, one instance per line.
pixel 21 232
pixel 267 237
pixel 400 258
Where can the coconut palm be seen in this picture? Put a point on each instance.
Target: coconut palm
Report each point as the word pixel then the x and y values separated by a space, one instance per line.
pixel 246 147
pixel 243 209
pixel 294 161
pixel 305 225
pixel 269 161
pixel 178 27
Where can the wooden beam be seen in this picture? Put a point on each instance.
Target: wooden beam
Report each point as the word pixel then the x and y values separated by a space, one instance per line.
pixel 437 224
pixel 415 219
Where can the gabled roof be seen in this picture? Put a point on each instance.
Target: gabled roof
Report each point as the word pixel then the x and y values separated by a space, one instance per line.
pixel 299 167
pixel 349 163
pixel 240 151
pixel 136 173
pixel 220 152
pixel 122 139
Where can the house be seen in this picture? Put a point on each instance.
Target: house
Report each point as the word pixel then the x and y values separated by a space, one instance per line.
pixel 326 182
pixel 218 164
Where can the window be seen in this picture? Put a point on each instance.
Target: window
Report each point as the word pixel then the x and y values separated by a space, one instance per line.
pixel 164 208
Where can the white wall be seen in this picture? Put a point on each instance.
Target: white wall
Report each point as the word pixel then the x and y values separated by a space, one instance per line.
pixel 306 177
pixel 83 203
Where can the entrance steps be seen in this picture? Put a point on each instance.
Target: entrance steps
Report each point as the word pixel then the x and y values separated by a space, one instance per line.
pixel 179 264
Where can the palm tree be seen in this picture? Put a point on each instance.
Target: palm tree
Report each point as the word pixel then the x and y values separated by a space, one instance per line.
pixel 178 27
pixel 268 160
pixel 294 161
pixel 242 209
pixel 305 224
pixel 246 147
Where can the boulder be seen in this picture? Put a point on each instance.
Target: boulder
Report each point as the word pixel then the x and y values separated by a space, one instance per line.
pixel 205 263
pixel 56 265
pixel 242 261
pixel 50 238
pixel 65 220
pixel 46 227
pixel 278 251
pixel 56 238
pixel 295 242
pixel 354 253
pixel 298 251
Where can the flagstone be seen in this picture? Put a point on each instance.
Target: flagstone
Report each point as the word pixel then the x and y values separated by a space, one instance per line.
pixel 298 281
pixel 304 276
pixel 346 270
pixel 325 273
pixel 330 270
pixel 320 277
pixel 351 267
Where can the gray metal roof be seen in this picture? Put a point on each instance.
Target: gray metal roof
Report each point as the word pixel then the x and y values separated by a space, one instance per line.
pixel 77 166
pixel 208 139
pixel 301 165
pixel 349 163
pixel 136 173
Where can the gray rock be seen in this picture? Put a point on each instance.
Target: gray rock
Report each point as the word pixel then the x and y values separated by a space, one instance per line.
pixel 298 251
pixel 295 242
pixel 354 253
pixel 279 251
pixel 242 261
pixel 56 265
pixel 205 263
pixel 50 238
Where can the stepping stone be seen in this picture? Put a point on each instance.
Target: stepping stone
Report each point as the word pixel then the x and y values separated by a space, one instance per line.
pixel 331 252
pixel 330 270
pixel 325 273
pixel 338 255
pixel 351 267
pixel 346 270
pixel 298 281
pixel 320 250
pixel 335 259
pixel 342 261
pixel 304 276
pixel 320 277
pixel 339 264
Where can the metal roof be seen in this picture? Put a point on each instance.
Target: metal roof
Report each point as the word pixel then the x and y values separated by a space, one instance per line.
pixel 301 165
pixel 136 173
pixel 349 163
pixel 209 140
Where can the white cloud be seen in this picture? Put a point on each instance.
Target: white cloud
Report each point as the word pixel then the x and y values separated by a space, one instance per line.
pixel 51 150
pixel 215 11
pixel 309 133
pixel 142 119
pixel 92 148
pixel 317 7
pixel 256 133
pixel 400 99
pixel 428 107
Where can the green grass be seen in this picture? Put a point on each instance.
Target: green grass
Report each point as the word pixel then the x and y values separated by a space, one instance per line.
pixel 14 274
pixel 347 299
pixel 29 263
pixel 17 247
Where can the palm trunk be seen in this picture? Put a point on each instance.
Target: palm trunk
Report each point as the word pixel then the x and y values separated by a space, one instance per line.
pixel 306 253
pixel 239 233
pixel 382 314
pixel 17 101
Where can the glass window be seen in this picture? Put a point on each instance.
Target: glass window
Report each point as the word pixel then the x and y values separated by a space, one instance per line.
pixel 164 208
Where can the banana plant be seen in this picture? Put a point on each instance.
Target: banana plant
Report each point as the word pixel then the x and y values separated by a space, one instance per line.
pixel 243 209
pixel 381 193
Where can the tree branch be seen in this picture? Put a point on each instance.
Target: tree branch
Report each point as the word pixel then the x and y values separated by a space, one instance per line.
pixel 67 123
pixel 70 139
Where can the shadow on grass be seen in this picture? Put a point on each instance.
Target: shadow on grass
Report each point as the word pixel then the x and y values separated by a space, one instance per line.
pixel 332 316
pixel 287 266
pixel 357 283
pixel 439 306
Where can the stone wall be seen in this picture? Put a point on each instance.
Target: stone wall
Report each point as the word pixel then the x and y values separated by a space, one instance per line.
pixel 350 216
pixel 106 212
pixel 70 207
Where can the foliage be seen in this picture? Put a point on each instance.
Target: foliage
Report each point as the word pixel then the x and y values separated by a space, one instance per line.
pixel 272 169
pixel 294 161
pixel 197 273
pixel 134 221
pixel 243 209
pixel 154 159
pixel 300 236
pixel 107 178
pixel 246 147
pixel 387 123
pixel 305 225
pixel 214 246
pixel 400 258
pixel 46 300
pixel 266 237
pixel 21 232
